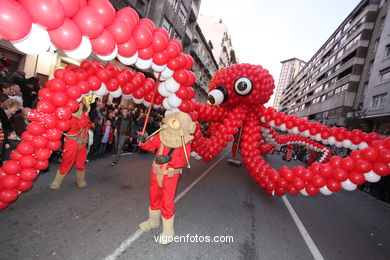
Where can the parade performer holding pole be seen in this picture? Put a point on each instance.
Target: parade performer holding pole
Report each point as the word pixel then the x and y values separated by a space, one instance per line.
pixel 75 148
pixel 173 144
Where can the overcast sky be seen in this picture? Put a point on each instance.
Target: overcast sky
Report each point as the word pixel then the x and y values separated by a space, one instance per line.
pixel 266 32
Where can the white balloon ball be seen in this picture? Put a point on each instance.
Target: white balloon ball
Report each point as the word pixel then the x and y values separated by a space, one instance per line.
pixel 262 118
pixel 167 112
pixel 144 64
pixel 174 101
pixel 167 73
pixel 331 140
pixel 138 101
pixel 193 154
pixel 272 123
pixel 339 144
pixel 156 106
pixel 283 127
pixel 162 90
pixel 146 103
pixel 128 60
pixel 110 56
pixel 79 99
pixel 347 143
pixel 82 51
pixel 117 93
pixel 324 190
pixel 371 176
pixel 166 105
pixel 158 68
pixel 317 137
pixel 304 192
pixel 295 130
pixel 325 141
pixel 198 157
pixel 102 90
pixel 348 185
pixel 171 85
pixel 127 96
pixel 37 41
pixel 353 147
pixel 362 145
pixel 306 133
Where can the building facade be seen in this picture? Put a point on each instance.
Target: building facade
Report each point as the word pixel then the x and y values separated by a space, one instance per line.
pixel 219 39
pixel 290 69
pixel 330 86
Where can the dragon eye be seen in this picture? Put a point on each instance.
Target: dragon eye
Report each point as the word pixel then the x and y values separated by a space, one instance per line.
pixel 217 96
pixel 243 86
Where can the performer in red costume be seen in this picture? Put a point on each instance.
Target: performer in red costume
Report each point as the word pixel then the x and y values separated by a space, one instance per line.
pixel 171 157
pixel 75 150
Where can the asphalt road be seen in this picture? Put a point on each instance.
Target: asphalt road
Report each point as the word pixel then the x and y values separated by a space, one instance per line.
pixel 91 223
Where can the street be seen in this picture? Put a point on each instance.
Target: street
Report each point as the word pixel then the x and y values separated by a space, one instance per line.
pixel 93 222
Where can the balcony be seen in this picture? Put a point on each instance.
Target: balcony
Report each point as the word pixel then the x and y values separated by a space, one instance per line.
pixel 193 13
pixel 188 37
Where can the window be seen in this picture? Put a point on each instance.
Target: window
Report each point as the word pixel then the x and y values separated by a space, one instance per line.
pixel 378 101
pixel 376 44
pixel 382 23
pixel 173 3
pixel 176 35
pixel 384 75
pixel 183 14
pixel 166 25
pixel 387 51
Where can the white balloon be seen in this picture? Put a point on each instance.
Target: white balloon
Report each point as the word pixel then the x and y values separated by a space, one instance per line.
pixel 348 185
pixel 158 68
pixel 171 85
pixel 198 157
pixel 166 105
pixel 283 127
pixel 325 141
pixel 331 140
pixel 128 60
pixel 174 101
pixel 117 93
pixel 339 144
pixel 324 190
pixel 167 73
pixel 371 176
pixel 146 103
pixel 109 56
pixel 79 99
pixel 138 101
pixel 306 133
pixel 156 106
pixel 304 192
pixel 272 123
pixel 102 90
pixel 144 64
pixel 353 147
pixel 362 145
pixel 163 91
pixel 347 143
pixel 82 51
pixel 127 96
pixel 262 118
pixel 167 112
pixel 193 154
pixel 317 137
pixel 37 41
pixel 295 130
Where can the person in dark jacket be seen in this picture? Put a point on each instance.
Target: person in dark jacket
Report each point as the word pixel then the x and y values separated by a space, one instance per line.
pixel 7 109
pixel 126 130
pixel 10 144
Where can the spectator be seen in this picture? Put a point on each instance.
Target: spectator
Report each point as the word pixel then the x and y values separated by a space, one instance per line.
pixel 30 90
pixel 16 94
pixel 7 110
pixel 5 91
pixel 107 136
pixel 20 121
pixel 10 144
pixel 126 129
pixel 151 126
pixel 93 104
pixel 97 133
pixel 97 112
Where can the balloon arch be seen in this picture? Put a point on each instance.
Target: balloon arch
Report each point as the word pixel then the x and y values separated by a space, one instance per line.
pixel 79 27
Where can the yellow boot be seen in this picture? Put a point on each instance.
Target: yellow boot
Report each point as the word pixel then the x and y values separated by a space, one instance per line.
pixel 167 235
pixel 152 222
pixel 80 179
pixel 56 184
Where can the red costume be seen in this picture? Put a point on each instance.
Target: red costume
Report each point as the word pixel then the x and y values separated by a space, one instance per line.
pixel 162 194
pixel 75 150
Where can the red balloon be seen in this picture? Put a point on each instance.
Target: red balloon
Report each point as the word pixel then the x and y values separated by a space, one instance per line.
pixel 24 185
pixel 173 49
pixel 356 154
pixel 45 93
pixel 70 7
pixel 73 92
pixel 104 44
pixel 15 21
pixel 318 181
pixel 8 195
pixel 11 167
pixel 298 183
pixel 3 205
pixel 105 10
pixel 53 134
pixel 84 85
pixel 63 125
pixel 120 30
pixel 143 37
pixel 382 169
pixel 41 165
pixel 326 170
pixel 27 161
pixel 340 175
pixel 370 154
pixel 129 16
pixel 363 166
pixel 57 84
pixel 348 164
pixel 63 113
pixel 173 64
pixel 42 154
pixel 40 141
pixel 127 49
pixel 54 145
pixel 181 76
pixel 25 148
pixel 35 128
pixel 311 189
pixel 292 189
pixel 15 155
pixel 333 185
pixel 10 182
pixel 28 174
pixel 182 92
pixel 48 13
pixel 26 136
pixel 146 53
pixel 160 58
pixel 46 106
pixel 335 161
pixel 59 99
pixel 357 178
pixel 190 63
pixel 160 41
pixel 89 22
pixel 67 36
pixel 112 85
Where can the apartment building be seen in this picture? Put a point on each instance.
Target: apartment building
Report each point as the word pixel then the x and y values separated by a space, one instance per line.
pixel 328 87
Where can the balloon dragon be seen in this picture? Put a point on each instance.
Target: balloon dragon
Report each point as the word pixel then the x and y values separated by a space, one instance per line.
pixel 236 99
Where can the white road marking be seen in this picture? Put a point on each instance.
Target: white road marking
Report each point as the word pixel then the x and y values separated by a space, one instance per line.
pixel 309 242
pixel 137 234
